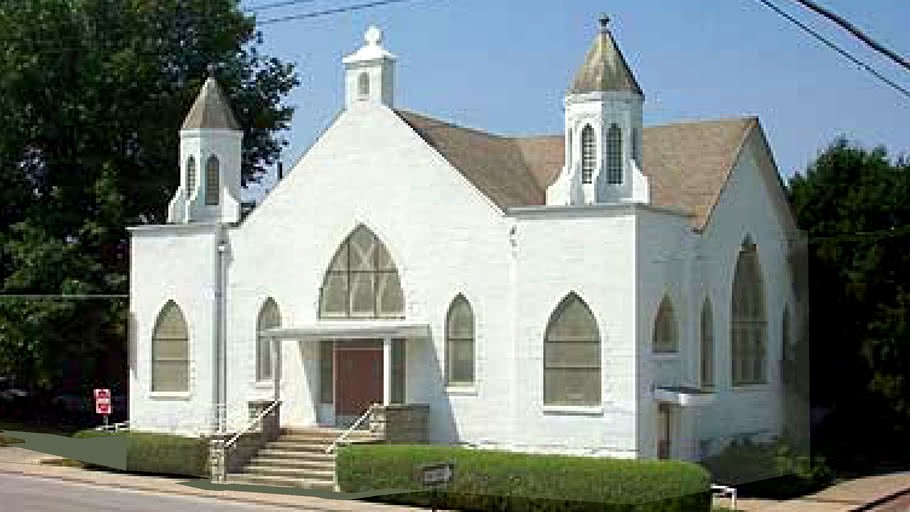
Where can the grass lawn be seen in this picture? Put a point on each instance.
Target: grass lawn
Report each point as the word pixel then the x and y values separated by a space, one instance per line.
pixel 7 441
pixel 60 430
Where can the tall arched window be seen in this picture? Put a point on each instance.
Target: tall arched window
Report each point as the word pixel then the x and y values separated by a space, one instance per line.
pixel 707 345
pixel 588 154
pixel 190 176
pixel 212 180
pixel 787 343
pixel 269 317
pixel 170 351
pixel 748 325
pixel 614 155
pixel 362 280
pixel 363 85
pixel 571 368
pixel 665 333
pixel 460 343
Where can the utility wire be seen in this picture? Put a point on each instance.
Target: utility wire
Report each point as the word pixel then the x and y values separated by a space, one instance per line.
pixel 836 48
pixel 849 27
pixel 327 12
pixel 276 5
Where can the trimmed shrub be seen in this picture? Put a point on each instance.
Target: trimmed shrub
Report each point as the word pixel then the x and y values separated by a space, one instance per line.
pixel 498 480
pixel 163 454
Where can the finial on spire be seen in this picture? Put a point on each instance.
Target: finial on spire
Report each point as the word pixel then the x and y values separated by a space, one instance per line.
pixel 373 35
pixel 604 21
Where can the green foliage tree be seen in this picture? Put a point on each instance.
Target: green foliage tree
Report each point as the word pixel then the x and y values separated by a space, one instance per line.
pixel 92 93
pixel 855 205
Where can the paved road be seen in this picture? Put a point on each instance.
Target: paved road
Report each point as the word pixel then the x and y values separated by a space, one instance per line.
pixel 899 504
pixel 32 494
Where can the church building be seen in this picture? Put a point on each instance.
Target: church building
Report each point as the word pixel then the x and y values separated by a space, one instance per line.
pixel 613 290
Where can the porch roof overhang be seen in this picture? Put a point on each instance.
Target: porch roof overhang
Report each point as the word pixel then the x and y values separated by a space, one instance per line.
pixel 683 396
pixel 351 329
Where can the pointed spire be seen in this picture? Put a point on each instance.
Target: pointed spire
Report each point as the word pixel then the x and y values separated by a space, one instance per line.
pixel 605 68
pixel 211 108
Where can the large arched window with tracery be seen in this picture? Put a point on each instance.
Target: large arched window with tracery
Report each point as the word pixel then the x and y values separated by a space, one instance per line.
pixel 269 318
pixel 748 325
pixel 170 351
pixel 362 280
pixel 571 368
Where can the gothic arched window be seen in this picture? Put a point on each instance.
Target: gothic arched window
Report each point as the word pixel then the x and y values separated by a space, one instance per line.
pixel 212 179
pixel 170 351
pixel 748 324
pixel 614 155
pixel 362 280
pixel 190 176
pixel 665 337
pixel 269 317
pixel 588 154
pixel 571 360
pixel 460 343
pixel 707 345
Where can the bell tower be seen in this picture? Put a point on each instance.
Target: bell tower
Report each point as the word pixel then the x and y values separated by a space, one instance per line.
pixel 603 123
pixel 210 161
pixel 369 73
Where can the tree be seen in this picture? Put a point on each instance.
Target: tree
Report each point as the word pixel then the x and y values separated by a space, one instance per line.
pixel 92 93
pixel 855 205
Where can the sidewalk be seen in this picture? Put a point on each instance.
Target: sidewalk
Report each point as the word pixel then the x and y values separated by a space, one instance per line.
pixel 26 462
pixel 850 495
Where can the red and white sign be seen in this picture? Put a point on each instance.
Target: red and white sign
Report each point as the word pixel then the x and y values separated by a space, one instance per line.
pixel 103 401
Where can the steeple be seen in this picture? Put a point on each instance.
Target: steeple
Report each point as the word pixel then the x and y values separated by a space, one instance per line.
pixel 604 68
pixel 210 160
pixel 369 73
pixel 603 114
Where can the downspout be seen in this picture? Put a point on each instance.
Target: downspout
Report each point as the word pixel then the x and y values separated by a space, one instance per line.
pixel 219 394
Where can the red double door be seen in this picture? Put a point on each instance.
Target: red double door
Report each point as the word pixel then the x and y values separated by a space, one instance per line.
pixel 358 378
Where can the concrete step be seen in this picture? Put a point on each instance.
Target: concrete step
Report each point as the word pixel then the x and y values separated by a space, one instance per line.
pixel 298 464
pixel 322 433
pixel 297 446
pixel 307 474
pixel 271 453
pixel 280 481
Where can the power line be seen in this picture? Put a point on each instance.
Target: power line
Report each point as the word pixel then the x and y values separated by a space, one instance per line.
pixel 47 296
pixel 327 12
pixel 846 25
pixel 836 48
pixel 276 5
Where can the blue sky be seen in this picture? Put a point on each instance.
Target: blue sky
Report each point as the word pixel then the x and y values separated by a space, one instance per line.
pixel 503 65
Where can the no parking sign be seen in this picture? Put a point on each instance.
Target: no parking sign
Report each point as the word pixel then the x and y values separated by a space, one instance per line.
pixel 103 401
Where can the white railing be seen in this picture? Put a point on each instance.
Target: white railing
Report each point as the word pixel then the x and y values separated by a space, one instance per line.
pixel 352 428
pixel 258 419
pixel 114 427
pixel 725 492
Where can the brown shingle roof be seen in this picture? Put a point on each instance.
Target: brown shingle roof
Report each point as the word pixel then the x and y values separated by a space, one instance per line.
pixel 687 164
pixel 211 109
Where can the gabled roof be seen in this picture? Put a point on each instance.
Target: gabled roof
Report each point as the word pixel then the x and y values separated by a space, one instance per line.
pixel 687 164
pixel 211 109
pixel 604 68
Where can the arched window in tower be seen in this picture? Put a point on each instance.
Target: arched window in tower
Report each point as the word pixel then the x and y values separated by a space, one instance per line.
pixel 614 155
pixel 212 179
pixel 588 154
pixel 170 351
pixel 460 343
pixel 707 345
pixel 190 177
pixel 571 360
pixel 665 337
pixel 748 323
pixel 363 85
pixel 362 280
pixel 269 318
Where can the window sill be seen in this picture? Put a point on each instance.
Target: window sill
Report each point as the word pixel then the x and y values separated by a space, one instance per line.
pixel 461 390
pixel 264 384
pixel 170 395
pixel 579 410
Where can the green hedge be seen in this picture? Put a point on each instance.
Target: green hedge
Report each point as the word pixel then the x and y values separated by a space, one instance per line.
pixel 496 480
pixel 162 453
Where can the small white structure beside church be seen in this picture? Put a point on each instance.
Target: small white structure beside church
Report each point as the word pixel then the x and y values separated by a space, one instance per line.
pixel 614 290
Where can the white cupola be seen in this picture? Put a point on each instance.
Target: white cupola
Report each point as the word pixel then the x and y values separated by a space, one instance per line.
pixel 369 73
pixel 210 161
pixel 603 123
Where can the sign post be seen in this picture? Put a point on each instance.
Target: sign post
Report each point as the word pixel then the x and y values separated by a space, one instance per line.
pixel 103 403
pixel 433 476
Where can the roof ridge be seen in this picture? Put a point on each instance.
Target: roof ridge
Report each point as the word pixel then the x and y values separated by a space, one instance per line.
pixel 450 124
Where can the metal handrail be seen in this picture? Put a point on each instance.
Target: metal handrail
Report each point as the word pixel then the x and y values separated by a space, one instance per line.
pixel 116 427
pixel 350 429
pixel 262 414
